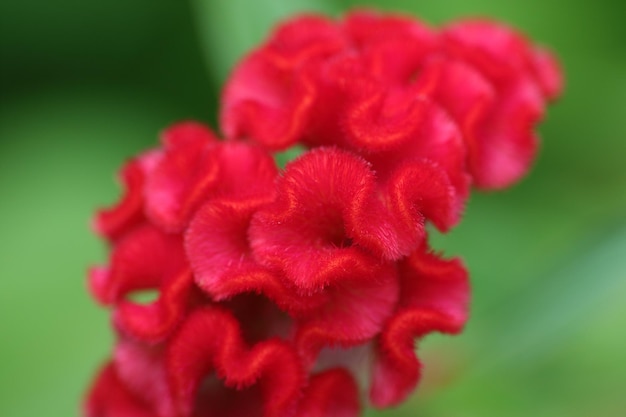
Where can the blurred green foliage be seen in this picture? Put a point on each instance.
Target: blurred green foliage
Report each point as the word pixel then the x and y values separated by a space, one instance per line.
pixel 84 85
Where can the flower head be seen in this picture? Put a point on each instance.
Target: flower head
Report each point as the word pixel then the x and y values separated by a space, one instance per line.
pixel 360 82
pixel 302 292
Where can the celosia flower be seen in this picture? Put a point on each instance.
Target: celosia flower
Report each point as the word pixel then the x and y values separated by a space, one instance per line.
pixel 358 83
pixel 302 292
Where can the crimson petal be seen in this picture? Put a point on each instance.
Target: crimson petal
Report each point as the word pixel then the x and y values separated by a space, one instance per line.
pixel 220 255
pixel 434 298
pixel 502 146
pixel 108 397
pixel 393 226
pixel 378 39
pixel 141 368
pixel 305 233
pixel 113 222
pixel 154 321
pixel 330 393
pixel 211 341
pixel 356 311
pixel 187 171
pixel 267 102
pixel 145 259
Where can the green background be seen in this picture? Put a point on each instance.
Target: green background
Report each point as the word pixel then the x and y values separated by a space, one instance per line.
pixel 87 84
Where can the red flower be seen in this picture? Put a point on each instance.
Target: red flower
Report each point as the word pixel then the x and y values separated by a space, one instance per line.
pixel 276 292
pixel 363 76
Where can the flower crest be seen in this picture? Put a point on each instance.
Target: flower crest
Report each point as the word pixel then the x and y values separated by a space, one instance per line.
pixel 302 292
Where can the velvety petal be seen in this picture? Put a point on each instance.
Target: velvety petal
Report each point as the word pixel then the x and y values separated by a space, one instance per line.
pixel 141 368
pixel 355 312
pixel 304 232
pixel 305 38
pixel 139 261
pixel 145 259
pixel 416 191
pixel 113 222
pixel 220 255
pixel 468 99
pixel 479 60
pixel 154 321
pixel 338 82
pixel 267 101
pixel 429 133
pixel 429 281
pixel 274 288
pixel 434 298
pixel 382 119
pixel 397 370
pixel 330 393
pixel 548 72
pixel 245 172
pixel 270 96
pixel 379 38
pixel 497 51
pixel 108 397
pixel 210 341
pixel 456 84
pixel 423 187
pixel 504 145
pixel 197 168
pixel 461 90
pixel 503 54
pixel 187 171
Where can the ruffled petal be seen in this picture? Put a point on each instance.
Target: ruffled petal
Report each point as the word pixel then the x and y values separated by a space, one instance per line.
pixel 393 225
pixel 197 168
pixel 274 288
pixel 210 341
pixel 422 189
pixel 305 38
pixel 268 101
pixel 503 54
pixel 330 393
pixel 220 255
pixel 431 134
pixel 378 39
pixel 548 72
pixel 434 298
pixel 108 397
pixel 156 320
pixel 469 100
pixel 187 171
pixel 397 370
pixel 380 119
pixel 356 311
pixel 141 369
pixel 139 261
pixel 246 172
pixel 270 96
pixel 145 259
pixel 303 233
pixel 497 51
pixel 502 145
pixel 429 281
pixel 113 222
